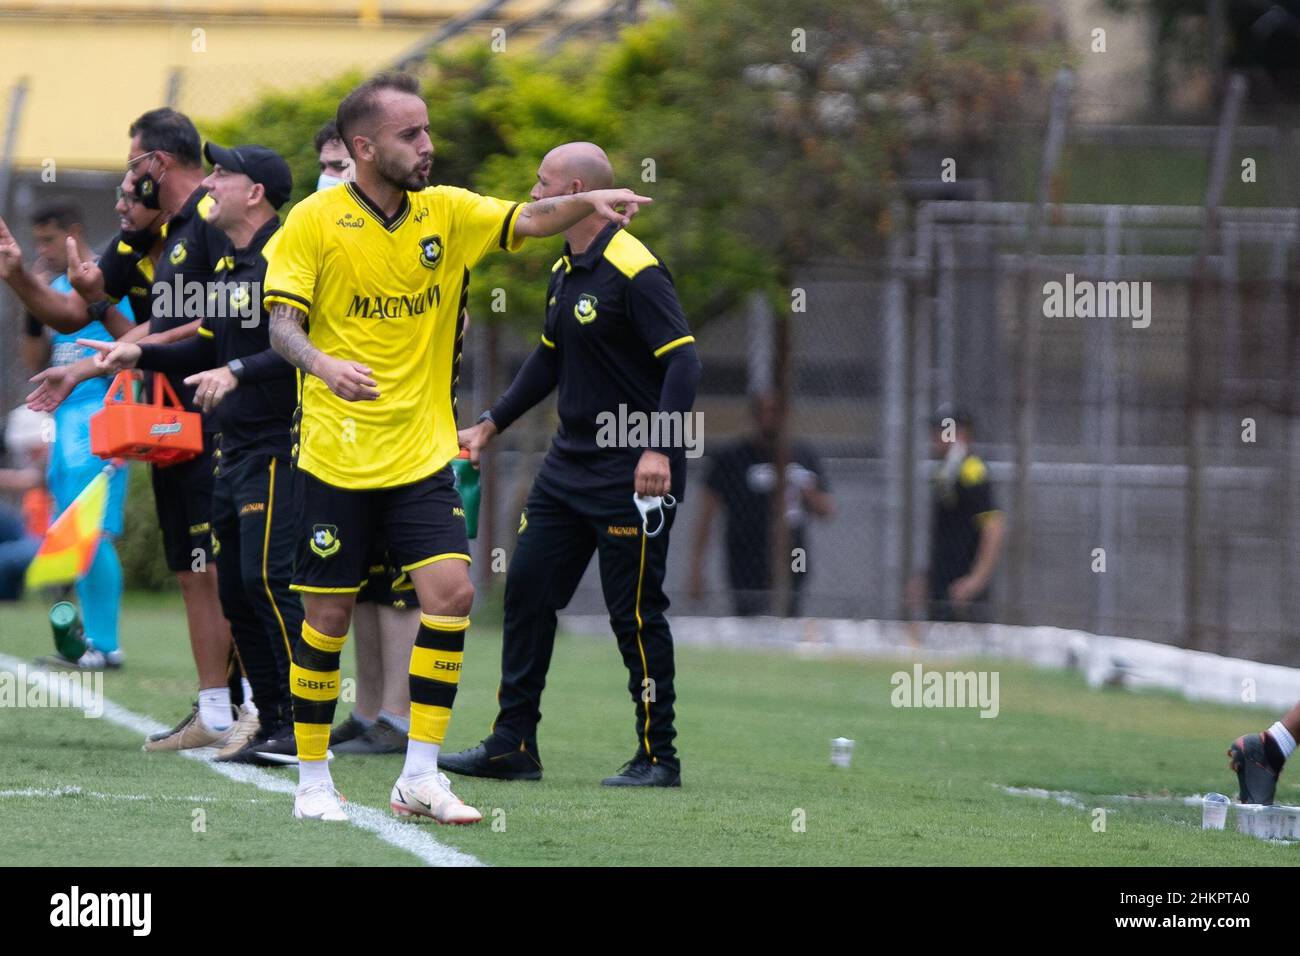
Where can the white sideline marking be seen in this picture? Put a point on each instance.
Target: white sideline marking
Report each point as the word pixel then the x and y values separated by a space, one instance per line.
pixel 1071 799
pixel 405 836
pixel 96 795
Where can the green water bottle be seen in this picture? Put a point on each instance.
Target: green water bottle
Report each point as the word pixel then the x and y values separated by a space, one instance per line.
pixel 467 484
pixel 69 635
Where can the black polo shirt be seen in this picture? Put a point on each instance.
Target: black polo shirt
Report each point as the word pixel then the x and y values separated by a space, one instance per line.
pixel 611 315
pixel 255 417
pixel 128 274
pixel 191 249
pixel 961 503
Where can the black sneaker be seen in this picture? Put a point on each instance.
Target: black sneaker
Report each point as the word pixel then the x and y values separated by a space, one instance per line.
pixel 640 772
pixel 381 738
pixel 281 747
pixel 1257 778
pixel 520 764
pixel 350 729
pixel 270 747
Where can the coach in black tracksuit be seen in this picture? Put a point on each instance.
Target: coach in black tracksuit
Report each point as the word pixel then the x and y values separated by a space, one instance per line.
pixel 252 392
pixel 614 336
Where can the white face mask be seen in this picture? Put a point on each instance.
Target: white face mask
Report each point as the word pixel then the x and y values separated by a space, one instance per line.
pixel 326 181
pixel 650 503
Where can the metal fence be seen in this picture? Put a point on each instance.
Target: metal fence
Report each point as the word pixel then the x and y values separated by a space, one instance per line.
pixel 1110 464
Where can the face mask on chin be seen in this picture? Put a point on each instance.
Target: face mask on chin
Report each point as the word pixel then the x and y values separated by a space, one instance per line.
pixel 326 181
pixel 141 240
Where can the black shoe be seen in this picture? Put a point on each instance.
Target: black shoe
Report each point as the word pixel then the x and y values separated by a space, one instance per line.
pixel 640 772
pixel 520 764
pixel 350 729
pixel 380 738
pixel 271 747
pixel 1256 776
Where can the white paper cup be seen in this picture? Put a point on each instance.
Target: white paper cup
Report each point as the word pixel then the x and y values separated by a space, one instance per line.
pixel 841 752
pixel 1214 811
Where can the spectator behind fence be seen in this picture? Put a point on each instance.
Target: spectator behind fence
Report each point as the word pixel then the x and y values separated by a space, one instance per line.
pixel 966 529
pixel 741 480
pixel 21 530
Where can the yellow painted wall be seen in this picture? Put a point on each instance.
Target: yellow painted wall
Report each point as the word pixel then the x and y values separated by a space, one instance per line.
pixel 93 69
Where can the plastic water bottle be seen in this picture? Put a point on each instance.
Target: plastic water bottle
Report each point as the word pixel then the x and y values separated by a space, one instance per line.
pixel 69 636
pixel 467 484
pixel 1214 811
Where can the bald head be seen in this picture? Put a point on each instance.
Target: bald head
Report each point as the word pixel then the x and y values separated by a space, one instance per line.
pixel 583 163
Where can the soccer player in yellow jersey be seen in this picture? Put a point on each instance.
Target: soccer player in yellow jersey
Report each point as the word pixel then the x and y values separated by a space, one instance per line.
pixel 366 282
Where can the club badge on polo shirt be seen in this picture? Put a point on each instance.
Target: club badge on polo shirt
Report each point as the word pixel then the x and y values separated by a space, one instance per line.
pixel 178 253
pixel 430 251
pixel 584 310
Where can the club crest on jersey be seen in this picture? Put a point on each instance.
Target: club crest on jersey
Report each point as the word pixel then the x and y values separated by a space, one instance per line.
pixel 240 296
pixel 325 539
pixel 178 253
pixel 430 251
pixel 584 310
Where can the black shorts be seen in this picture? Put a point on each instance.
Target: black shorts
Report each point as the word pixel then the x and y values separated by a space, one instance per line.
pixel 339 529
pixel 182 498
pixel 386 584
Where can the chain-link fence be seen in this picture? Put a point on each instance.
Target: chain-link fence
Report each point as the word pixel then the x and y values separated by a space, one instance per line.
pixel 1123 522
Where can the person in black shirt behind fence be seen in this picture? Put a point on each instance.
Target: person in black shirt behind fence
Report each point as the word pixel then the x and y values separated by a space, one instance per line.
pixel 966 528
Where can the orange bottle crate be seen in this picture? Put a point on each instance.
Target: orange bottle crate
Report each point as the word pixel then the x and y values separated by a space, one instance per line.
pixel 162 431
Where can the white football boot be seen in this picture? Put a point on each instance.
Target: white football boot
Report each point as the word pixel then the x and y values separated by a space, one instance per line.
pixel 429 795
pixel 319 801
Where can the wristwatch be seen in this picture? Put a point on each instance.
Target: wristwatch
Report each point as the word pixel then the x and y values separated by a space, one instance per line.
pixel 99 309
pixel 236 369
pixel 485 417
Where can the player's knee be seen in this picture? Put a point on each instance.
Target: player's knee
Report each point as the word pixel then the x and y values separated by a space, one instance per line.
pixel 329 620
pixel 460 599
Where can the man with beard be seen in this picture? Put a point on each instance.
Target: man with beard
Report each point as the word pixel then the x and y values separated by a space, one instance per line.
pixel 377 270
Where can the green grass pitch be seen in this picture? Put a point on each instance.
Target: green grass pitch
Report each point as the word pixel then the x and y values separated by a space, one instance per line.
pixel 925 787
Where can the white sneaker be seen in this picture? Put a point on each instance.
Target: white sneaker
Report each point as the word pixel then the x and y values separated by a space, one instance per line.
pixel 319 801
pixel 429 795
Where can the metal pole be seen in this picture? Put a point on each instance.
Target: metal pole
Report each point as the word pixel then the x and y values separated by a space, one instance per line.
pixel 1030 313
pixel 1203 293
pixel 1108 434
pixel 894 421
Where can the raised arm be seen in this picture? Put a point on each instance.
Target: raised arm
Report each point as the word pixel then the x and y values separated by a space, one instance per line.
pixel 550 217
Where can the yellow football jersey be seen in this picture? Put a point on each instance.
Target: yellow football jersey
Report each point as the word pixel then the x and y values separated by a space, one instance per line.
pixel 387 293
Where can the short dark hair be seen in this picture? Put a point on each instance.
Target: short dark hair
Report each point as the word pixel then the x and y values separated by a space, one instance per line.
pixel 168 131
pixel 359 105
pixel 65 215
pixel 326 133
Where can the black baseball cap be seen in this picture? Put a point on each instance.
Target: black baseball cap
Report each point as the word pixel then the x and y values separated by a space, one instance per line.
pixel 258 163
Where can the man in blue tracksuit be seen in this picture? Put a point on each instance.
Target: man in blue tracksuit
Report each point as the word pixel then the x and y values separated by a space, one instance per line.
pixel 71 465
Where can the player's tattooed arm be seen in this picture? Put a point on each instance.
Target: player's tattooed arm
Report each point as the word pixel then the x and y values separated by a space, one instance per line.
pixel 551 216
pixel 290 340
pixel 350 381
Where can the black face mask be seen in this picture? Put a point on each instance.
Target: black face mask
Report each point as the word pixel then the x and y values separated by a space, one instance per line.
pixel 148 191
pixel 141 240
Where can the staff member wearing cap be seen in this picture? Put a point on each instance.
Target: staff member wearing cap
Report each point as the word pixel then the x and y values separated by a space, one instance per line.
pixel 251 391
pixel 966 528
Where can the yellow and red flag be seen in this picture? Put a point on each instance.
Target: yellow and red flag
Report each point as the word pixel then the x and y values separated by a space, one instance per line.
pixel 69 546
